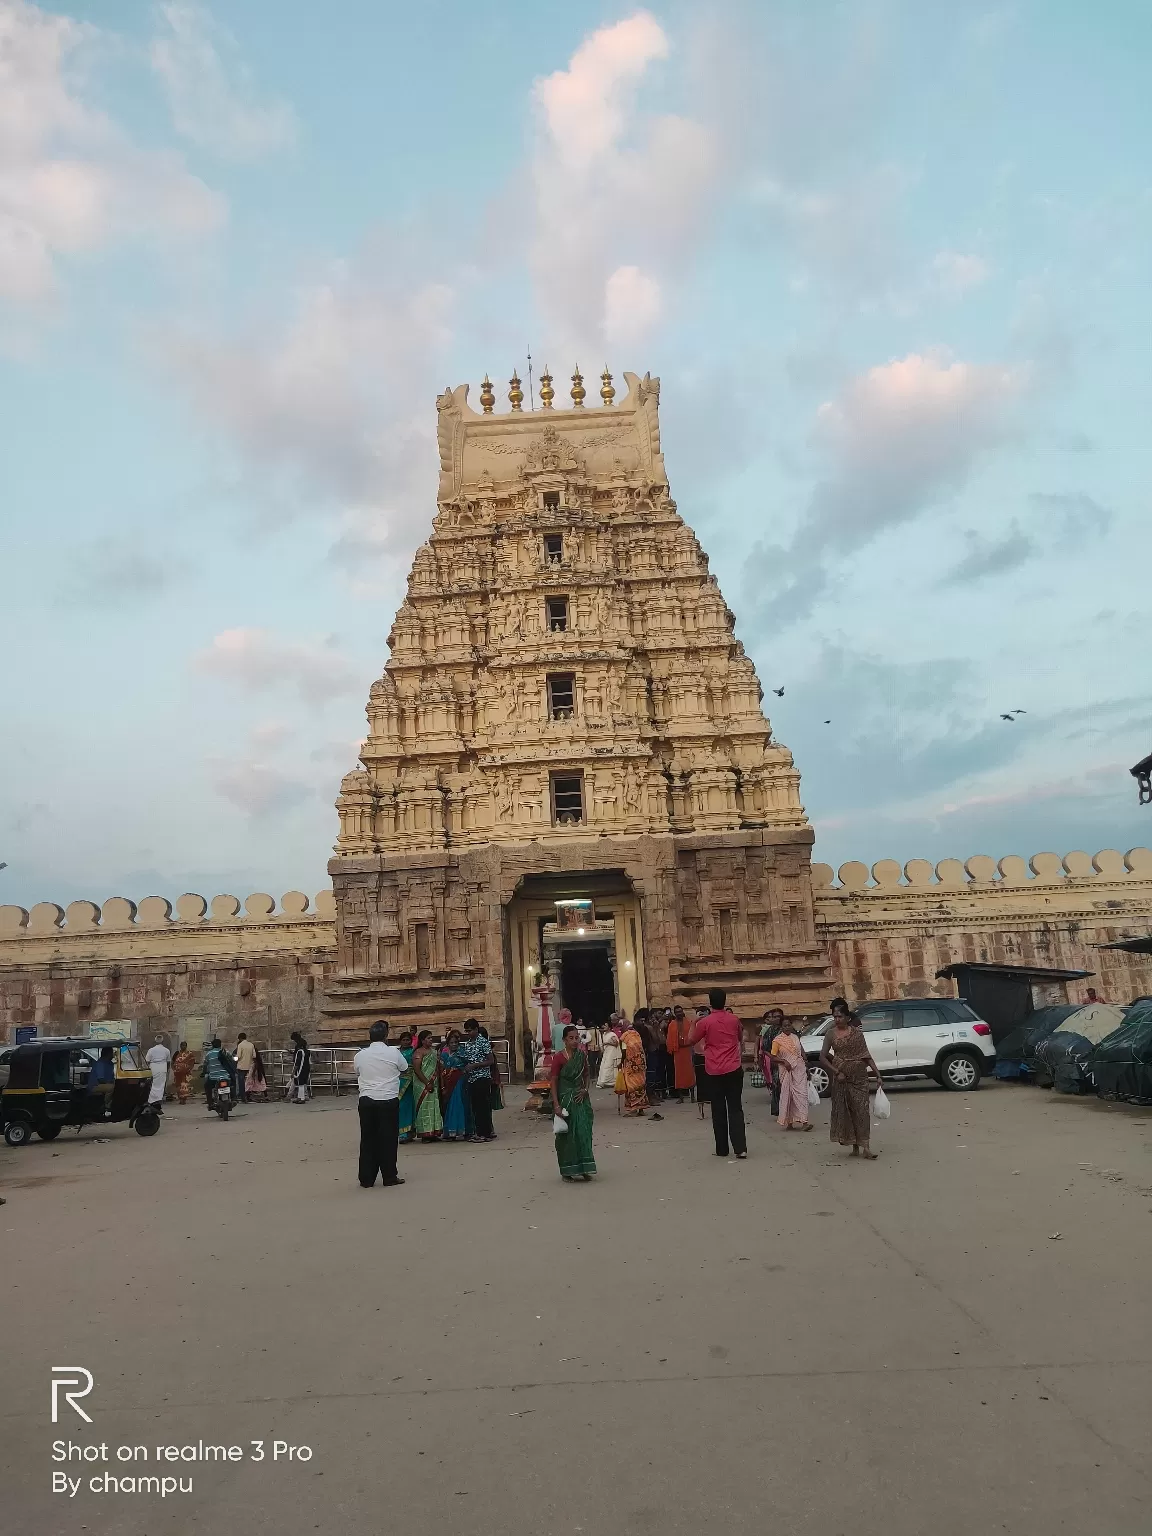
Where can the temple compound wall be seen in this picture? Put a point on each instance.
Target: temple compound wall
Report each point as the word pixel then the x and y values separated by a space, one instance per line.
pixel 189 970
pixel 198 967
pixel 889 930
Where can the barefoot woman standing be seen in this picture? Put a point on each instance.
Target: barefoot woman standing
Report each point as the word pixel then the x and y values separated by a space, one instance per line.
pixel 847 1060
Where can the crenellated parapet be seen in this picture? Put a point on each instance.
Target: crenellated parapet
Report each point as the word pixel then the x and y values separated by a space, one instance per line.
pixel 155 926
pixel 1043 872
pixel 190 967
pixel 890 928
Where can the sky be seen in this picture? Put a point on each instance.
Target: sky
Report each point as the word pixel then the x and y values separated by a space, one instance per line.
pixel 890 261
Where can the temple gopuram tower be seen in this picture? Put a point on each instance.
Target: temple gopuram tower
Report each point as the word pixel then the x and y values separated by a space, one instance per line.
pixel 567 767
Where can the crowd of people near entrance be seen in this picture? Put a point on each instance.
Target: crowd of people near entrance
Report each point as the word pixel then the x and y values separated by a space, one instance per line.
pixel 424 1087
pixel 659 1055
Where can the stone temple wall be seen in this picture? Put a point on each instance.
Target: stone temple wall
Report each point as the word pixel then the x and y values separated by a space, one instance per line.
pixel 200 968
pixel 889 930
pixel 224 966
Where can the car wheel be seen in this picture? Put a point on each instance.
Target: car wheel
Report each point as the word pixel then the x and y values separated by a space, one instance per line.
pixel 960 1072
pixel 49 1132
pixel 820 1080
pixel 18 1133
pixel 147 1123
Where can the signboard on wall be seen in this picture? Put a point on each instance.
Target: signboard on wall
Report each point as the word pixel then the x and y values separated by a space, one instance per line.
pixel 24 1033
pixel 111 1029
pixel 194 1032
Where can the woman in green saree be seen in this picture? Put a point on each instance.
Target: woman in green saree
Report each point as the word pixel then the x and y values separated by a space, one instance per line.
pixel 426 1089
pixel 570 1097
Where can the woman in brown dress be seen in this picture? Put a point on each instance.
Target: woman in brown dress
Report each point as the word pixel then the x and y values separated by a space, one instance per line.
pixel 847 1060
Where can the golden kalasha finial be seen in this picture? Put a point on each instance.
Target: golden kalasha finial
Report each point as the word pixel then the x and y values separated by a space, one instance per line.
pixel 578 390
pixel 547 393
pixel 487 398
pixel 607 393
pixel 515 393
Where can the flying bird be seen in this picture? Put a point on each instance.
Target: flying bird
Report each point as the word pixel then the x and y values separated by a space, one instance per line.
pixel 827 722
pixel 779 692
pixel 1011 719
pixel 1019 711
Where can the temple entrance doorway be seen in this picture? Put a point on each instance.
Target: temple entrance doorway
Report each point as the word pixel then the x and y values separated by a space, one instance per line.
pixel 587 986
pixel 590 965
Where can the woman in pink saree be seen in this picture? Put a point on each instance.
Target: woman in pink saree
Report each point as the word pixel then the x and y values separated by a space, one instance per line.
pixel 788 1053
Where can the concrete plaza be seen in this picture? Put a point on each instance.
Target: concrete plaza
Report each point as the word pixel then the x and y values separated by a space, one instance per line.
pixel 796 1342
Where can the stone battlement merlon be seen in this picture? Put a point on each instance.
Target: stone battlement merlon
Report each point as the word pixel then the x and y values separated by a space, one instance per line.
pixel 979 873
pixel 117 914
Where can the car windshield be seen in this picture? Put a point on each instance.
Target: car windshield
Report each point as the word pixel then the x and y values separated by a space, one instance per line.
pixel 130 1058
pixel 818 1026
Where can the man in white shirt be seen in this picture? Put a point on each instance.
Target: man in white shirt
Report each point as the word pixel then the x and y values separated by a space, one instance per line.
pixel 245 1058
pixel 379 1067
pixel 158 1058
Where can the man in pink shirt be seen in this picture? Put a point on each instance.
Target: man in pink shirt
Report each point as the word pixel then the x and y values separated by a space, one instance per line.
pixel 722 1035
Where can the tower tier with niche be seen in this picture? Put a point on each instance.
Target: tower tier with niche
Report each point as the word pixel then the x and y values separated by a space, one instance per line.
pixel 565 700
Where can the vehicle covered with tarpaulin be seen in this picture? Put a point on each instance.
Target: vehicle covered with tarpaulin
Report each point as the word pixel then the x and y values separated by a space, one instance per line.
pixel 1016 1052
pixel 1062 1059
pixel 1121 1065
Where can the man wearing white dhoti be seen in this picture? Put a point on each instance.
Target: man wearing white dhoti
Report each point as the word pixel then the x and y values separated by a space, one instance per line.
pixel 159 1058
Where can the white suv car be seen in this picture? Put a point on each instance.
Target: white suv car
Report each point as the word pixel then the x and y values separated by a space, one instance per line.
pixel 935 1037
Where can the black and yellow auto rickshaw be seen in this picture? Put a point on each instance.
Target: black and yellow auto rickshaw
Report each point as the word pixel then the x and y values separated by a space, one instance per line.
pixel 54 1083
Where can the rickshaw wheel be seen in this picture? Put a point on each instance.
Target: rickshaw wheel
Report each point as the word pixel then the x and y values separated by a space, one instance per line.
pixel 49 1133
pixel 147 1123
pixel 18 1133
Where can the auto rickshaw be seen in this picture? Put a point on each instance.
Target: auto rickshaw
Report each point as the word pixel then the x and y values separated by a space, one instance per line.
pixel 54 1083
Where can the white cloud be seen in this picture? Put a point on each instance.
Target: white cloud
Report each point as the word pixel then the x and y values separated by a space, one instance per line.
pixel 270 735
pixel 71 181
pixel 903 433
pixel 586 105
pixel 618 194
pixel 258 789
pixel 336 400
pixel 955 273
pixel 632 304
pixel 896 440
pixel 258 661
pixel 845 233
pixel 210 90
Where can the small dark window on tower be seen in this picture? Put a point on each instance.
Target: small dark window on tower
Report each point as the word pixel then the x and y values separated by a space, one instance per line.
pixel 557 613
pixel 553 548
pixel 567 799
pixel 561 695
pixel 551 498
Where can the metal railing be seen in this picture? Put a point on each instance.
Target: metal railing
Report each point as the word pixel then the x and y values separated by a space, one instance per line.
pixel 332 1070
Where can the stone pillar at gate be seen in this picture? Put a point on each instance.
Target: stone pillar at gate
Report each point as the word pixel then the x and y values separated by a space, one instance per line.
pixel 565 706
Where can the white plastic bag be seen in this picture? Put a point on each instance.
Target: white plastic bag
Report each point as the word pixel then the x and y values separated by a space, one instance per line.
pixel 559 1126
pixel 881 1109
pixel 813 1096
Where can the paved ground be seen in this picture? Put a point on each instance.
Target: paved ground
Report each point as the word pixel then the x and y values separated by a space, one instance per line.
pixel 795 1343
